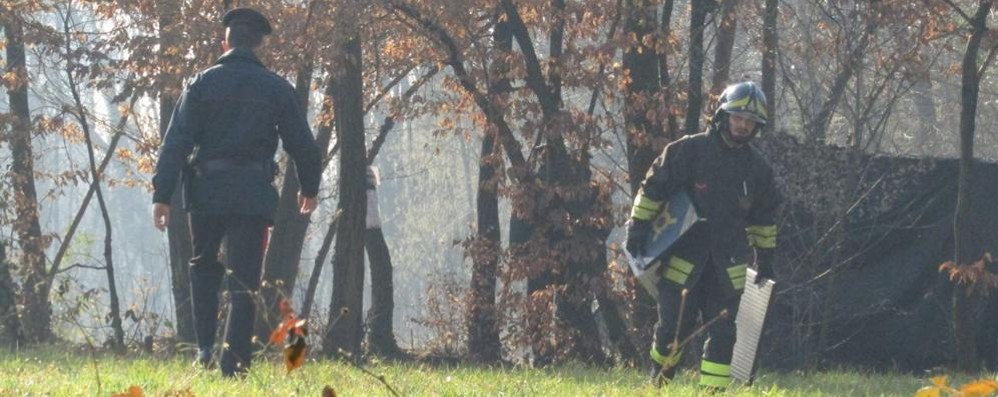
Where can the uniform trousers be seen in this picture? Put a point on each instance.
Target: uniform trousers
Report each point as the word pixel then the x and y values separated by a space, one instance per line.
pixel 246 238
pixel 705 299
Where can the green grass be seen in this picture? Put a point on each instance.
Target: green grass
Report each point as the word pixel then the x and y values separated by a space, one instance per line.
pixel 62 372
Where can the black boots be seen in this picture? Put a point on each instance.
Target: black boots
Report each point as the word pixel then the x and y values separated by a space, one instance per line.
pixel 238 349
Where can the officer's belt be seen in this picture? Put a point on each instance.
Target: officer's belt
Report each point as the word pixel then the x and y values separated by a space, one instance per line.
pixel 222 165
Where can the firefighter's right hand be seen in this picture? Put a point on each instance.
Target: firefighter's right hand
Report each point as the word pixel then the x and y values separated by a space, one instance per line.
pixel 637 235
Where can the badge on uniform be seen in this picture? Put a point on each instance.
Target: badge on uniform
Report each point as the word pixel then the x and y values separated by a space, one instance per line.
pixel 677 217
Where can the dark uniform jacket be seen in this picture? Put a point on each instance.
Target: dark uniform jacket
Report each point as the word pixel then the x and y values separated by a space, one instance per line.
pixel 732 187
pixel 228 121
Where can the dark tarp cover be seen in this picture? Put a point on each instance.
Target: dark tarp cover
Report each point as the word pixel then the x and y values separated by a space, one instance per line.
pixel 867 291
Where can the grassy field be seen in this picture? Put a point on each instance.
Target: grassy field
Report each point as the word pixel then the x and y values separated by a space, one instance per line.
pixel 61 372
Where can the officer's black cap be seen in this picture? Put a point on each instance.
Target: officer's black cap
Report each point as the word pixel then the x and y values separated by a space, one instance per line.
pixel 249 16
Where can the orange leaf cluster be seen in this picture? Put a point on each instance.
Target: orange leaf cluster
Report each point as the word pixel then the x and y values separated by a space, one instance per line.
pixel 133 391
pixel 292 332
pixel 976 275
pixel 940 386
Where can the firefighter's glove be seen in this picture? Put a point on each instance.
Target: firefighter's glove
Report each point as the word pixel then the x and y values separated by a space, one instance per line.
pixel 764 265
pixel 637 234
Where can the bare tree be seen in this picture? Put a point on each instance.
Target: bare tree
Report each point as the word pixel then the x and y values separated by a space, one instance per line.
pixel 178 232
pixel 10 326
pixel 37 315
pixel 345 332
pixel 80 113
pixel 770 51
pixel 483 317
pixel 966 246
pixel 725 44
pixel 694 91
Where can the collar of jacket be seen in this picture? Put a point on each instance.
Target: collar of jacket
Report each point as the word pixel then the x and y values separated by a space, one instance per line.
pixel 239 55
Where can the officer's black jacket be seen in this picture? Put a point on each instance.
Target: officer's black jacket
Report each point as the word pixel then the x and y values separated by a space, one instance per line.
pixel 234 112
pixel 732 187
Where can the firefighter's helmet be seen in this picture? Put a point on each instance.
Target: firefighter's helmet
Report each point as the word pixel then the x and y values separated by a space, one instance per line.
pixel 744 98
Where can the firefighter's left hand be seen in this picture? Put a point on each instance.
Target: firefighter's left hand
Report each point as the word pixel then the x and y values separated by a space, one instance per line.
pixel 764 271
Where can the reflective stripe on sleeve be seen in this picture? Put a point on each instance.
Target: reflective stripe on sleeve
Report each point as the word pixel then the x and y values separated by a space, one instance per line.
pixel 761 236
pixel 645 208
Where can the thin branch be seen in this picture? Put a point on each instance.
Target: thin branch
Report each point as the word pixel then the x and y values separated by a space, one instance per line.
pixel 119 132
pixel 320 260
pixel 80 266
pixel 387 88
pixel 987 61
pixel 389 121
pixel 959 10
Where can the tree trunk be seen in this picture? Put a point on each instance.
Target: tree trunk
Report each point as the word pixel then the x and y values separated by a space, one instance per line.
pixel 724 46
pixel 966 249
pixel 694 90
pixel 37 314
pixel 483 316
pixel 10 325
pixel 287 239
pixel 380 328
pixel 380 324
pixel 641 64
pixel 771 49
pixel 178 232
pixel 647 70
pixel 483 319
pixel 345 331
pixel 665 79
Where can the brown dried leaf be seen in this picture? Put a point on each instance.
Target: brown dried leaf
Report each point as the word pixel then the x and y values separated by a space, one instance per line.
pixel 133 391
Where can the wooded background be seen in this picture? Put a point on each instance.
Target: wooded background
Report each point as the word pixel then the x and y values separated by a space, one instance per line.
pixel 509 137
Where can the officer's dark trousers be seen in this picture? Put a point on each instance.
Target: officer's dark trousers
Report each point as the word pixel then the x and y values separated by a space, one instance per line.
pixel 706 300
pixel 245 237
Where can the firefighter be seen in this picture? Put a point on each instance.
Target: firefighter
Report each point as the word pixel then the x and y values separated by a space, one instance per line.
pixel 732 187
pixel 228 121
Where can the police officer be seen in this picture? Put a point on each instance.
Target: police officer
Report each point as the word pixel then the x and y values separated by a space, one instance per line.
pixel 228 121
pixel 731 186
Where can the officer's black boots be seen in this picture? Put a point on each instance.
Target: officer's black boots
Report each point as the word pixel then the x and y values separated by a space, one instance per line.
pixel 237 350
pixel 206 278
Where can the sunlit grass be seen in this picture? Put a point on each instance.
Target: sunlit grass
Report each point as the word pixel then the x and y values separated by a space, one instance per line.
pixel 62 372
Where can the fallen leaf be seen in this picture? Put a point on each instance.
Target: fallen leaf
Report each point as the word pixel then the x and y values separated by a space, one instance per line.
pixel 979 388
pixel 929 391
pixel 133 391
